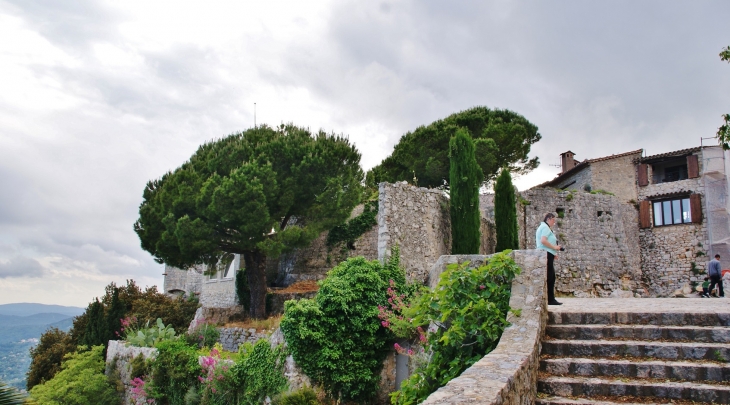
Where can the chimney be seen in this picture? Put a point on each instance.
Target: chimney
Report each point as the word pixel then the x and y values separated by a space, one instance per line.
pixel 566 159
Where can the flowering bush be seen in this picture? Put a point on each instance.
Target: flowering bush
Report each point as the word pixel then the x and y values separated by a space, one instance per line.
pixel 468 310
pixel 139 392
pixel 216 381
pixel 204 334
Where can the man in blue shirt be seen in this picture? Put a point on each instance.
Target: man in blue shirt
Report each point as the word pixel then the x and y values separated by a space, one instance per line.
pixel 714 270
pixel 545 240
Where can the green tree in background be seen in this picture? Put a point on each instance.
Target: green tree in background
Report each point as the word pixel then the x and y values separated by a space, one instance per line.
pixel 723 133
pixel 238 195
pixel 96 326
pixel 114 316
pixel 46 357
pixel 465 177
pixel 80 382
pixel 505 213
pixel 501 137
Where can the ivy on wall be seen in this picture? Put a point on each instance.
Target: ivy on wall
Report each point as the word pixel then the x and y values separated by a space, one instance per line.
pixel 354 228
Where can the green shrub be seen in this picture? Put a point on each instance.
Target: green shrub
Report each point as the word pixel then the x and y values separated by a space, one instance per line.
pixel 47 356
pixel 304 396
pixel 505 213
pixel 243 292
pixel 204 335
pixel 80 382
pixel 469 307
pixel 174 370
pixel 336 338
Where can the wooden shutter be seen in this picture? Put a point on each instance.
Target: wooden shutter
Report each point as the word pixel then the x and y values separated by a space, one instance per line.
pixel 695 206
pixel 643 175
pixel 693 168
pixel 645 214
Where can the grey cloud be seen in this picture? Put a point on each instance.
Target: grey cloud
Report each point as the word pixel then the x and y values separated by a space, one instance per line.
pixel 20 266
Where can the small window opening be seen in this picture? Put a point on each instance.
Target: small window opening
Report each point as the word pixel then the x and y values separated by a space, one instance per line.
pixel 561 212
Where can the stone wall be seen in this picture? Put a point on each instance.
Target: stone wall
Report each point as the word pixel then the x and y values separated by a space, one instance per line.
pixel 218 293
pixel 418 221
pixel 232 338
pixel 119 358
pixel 188 282
pixel 601 237
pixel 217 316
pixel 617 175
pixel 507 375
pixel 673 256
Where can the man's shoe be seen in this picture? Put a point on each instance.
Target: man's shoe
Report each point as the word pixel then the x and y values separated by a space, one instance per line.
pixel 555 303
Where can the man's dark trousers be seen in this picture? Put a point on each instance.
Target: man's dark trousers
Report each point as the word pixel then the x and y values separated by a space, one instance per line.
pixel 717 280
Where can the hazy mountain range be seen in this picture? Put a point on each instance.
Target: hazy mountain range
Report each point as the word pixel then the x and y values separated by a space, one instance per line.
pixel 21 325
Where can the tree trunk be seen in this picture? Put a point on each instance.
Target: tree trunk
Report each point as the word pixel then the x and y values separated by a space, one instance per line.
pixel 255 263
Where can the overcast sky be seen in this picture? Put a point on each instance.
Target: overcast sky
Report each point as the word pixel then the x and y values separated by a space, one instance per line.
pixel 97 98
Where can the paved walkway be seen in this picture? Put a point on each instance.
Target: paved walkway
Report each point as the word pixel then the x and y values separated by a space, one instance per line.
pixel 642 305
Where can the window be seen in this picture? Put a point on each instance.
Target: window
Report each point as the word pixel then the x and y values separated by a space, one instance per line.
pixel 670 212
pixel 673 170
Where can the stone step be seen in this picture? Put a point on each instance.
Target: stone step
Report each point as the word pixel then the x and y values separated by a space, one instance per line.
pixel 709 334
pixel 587 387
pixel 633 348
pixel 640 318
pixel 557 400
pixel 673 370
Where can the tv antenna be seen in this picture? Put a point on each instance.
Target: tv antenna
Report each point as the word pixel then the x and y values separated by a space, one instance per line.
pixel 254 115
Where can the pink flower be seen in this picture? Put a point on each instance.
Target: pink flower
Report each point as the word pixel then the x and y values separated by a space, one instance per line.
pixel 481 287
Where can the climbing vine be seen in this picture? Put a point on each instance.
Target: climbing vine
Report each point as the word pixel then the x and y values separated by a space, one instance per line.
pixel 354 228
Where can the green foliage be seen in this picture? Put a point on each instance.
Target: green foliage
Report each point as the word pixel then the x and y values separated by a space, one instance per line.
pixel 139 366
pixel 174 371
pixel 603 192
pixel 11 396
pixel 204 335
pixel 233 191
pixel 96 332
pixel 569 197
pixel 150 336
pixel 336 338
pixel 465 179
pixel 354 228
pixel 469 308
pixel 303 396
pixel 505 213
pixel 259 371
pixel 48 355
pixel 501 137
pixel 80 382
pixel 114 314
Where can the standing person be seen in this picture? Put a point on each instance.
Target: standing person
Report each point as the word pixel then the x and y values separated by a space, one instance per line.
pixel 714 270
pixel 545 240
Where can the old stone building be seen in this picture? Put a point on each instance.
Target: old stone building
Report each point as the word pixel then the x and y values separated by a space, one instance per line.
pixel 680 205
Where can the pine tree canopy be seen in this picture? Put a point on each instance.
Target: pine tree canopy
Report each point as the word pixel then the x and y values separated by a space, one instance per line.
pixel 238 195
pixel 501 137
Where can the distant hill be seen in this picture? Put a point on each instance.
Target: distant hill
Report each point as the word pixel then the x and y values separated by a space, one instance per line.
pixel 21 325
pixel 26 309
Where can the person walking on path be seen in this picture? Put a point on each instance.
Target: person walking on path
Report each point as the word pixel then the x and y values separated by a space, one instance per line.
pixel 545 240
pixel 714 270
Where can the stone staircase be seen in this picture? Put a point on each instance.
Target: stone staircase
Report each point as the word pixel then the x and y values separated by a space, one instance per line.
pixel 636 351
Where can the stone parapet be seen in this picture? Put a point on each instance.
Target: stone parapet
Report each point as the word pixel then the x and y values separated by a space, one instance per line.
pixel 507 375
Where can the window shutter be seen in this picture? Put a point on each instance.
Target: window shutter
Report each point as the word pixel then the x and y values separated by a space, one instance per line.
pixel 644 214
pixel 693 168
pixel 643 175
pixel 695 206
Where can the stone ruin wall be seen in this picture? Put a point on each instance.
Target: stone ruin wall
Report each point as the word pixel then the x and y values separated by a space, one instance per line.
pixel 418 221
pixel 314 261
pixel 670 253
pixel 601 237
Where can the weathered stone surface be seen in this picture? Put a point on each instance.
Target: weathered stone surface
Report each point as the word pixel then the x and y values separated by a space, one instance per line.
pixel 675 370
pixel 633 348
pixel 418 221
pixel 216 316
pixel 508 374
pixel 601 238
pixel 717 334
pixel 119 358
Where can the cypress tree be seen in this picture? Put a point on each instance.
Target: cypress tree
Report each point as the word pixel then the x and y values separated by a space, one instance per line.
pixel 96 326
pixel 465 177
pixel 114 317
pixel 505 213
